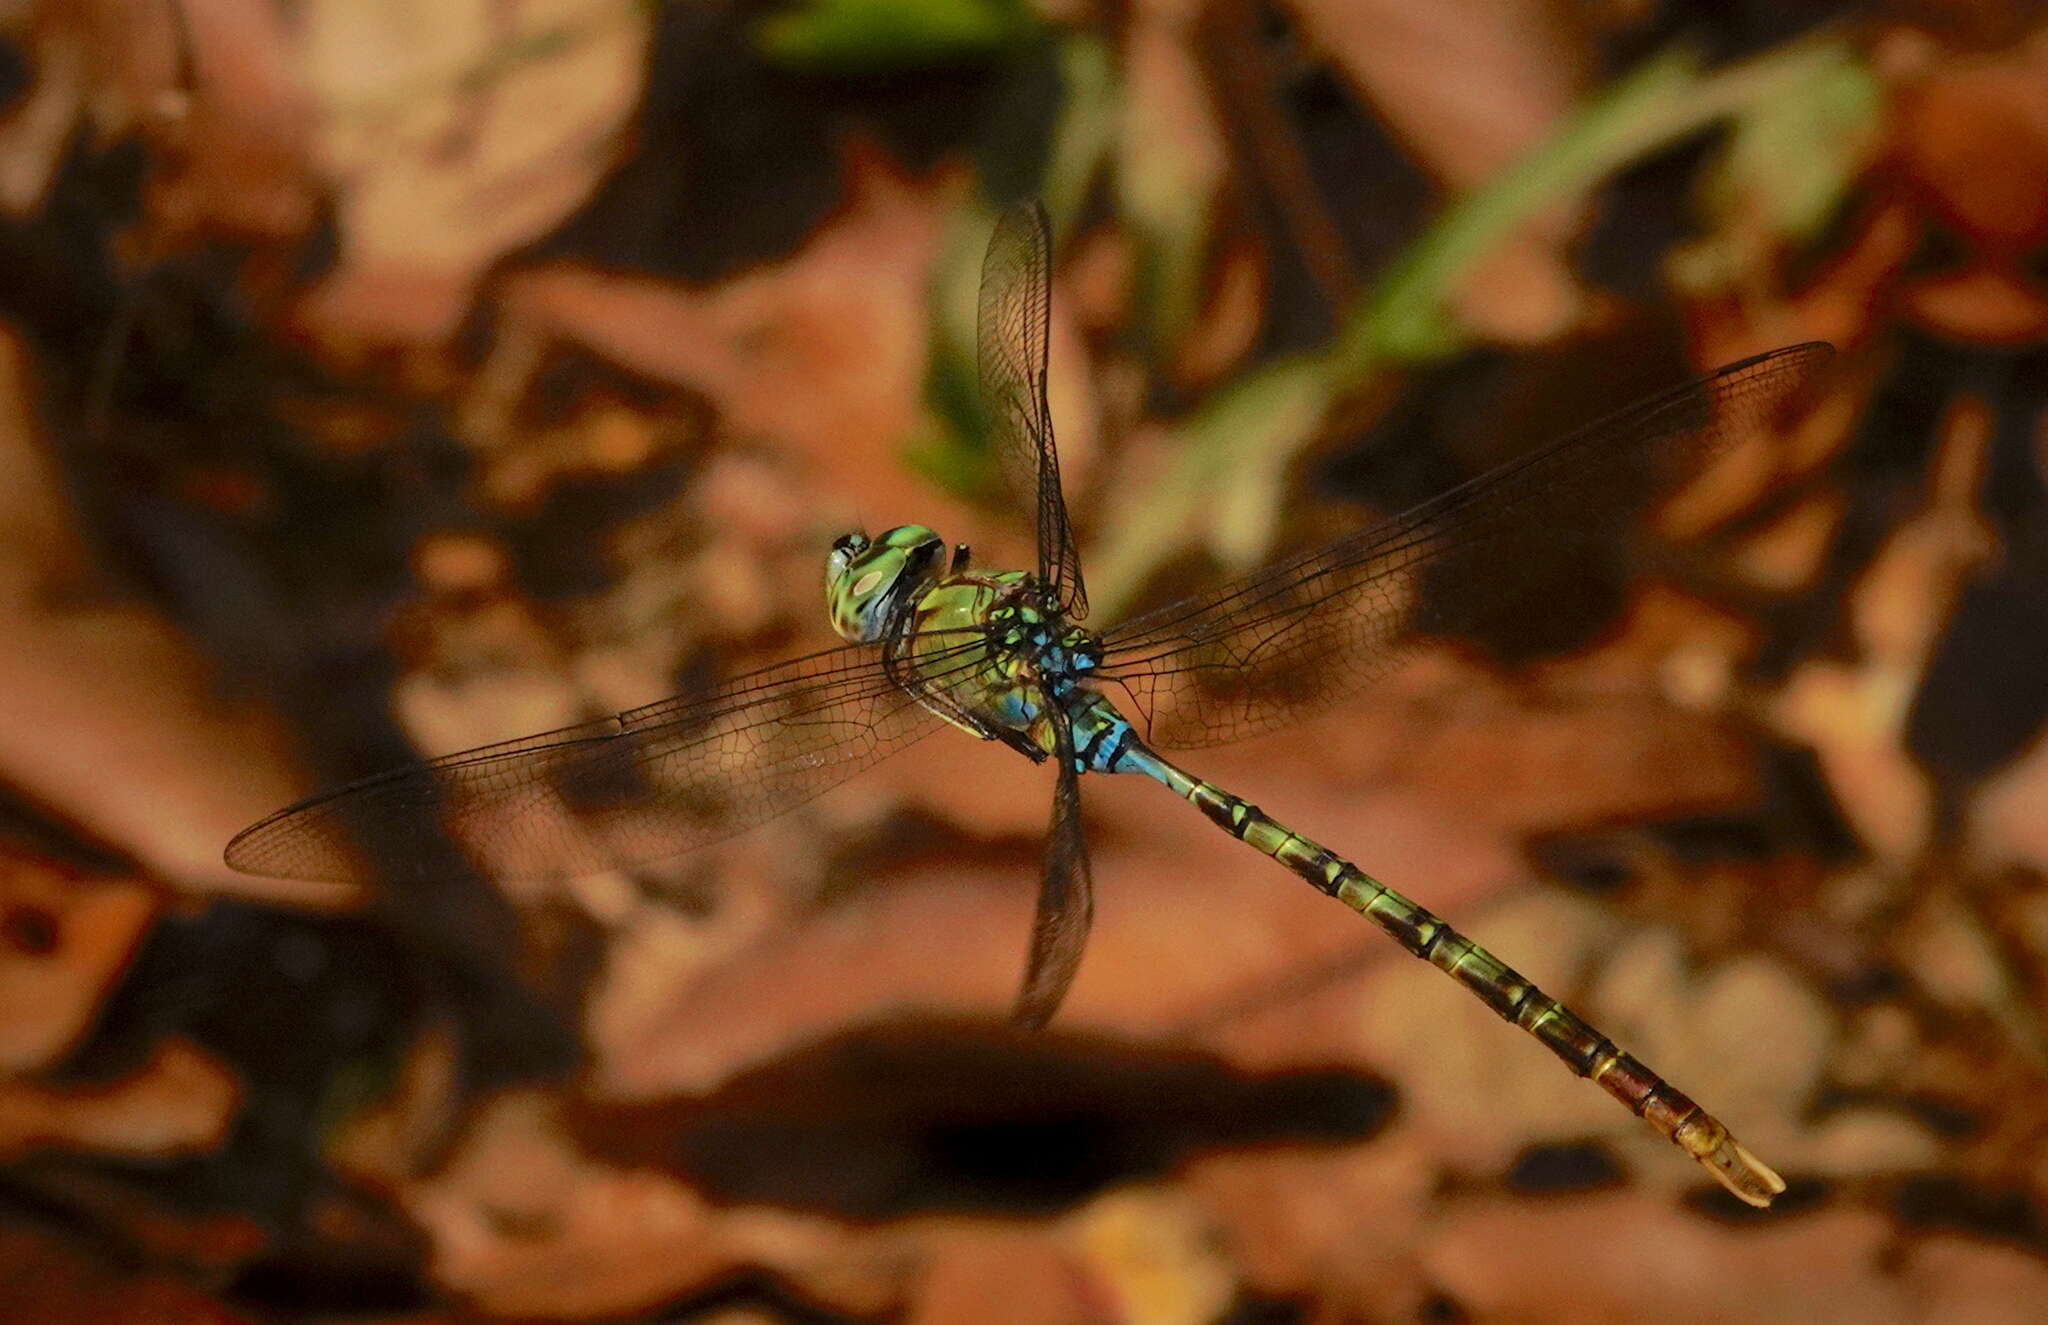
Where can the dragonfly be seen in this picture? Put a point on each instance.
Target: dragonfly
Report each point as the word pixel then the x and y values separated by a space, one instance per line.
pixel 933 640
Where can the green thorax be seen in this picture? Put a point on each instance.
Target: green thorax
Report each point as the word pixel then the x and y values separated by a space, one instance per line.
pixel 1023 652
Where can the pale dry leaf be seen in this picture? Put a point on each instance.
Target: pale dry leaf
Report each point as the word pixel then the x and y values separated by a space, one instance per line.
pixel 1291 1218
pixel 1786 554
pixel 951 942
pixel 1155 1255
pixel 1624 1258
pixel 1851 717
pixel 487 675
pixel 1228 330
pixel 455 133
pixel 1475 1090
pixel 181 1102
pixel 1854 714
pixel 1171 140
pixel 1951 957
pixel 1851 1143
pixel 1745 1038
pixel 1170 155
pixel 1984 305
pixel 37 130
pixel 1972 1282
pixel 522 1223
pixel 384 1143
pixel 2006 822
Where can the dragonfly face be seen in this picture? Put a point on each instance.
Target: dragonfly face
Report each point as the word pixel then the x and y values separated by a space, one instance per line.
pixel 868 580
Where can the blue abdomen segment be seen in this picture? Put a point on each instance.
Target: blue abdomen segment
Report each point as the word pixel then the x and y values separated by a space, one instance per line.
pixel 1103 739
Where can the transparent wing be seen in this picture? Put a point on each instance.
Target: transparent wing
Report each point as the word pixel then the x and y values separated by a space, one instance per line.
pixel 1012 327
pixel 641 785
pixel 1066 895
pixel 1262 650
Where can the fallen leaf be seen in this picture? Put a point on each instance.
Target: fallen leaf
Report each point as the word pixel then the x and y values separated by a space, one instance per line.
pixel 455 133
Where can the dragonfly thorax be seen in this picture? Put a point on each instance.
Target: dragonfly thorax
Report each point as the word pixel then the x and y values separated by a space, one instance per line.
pixel 1028 661
pixel 1024 626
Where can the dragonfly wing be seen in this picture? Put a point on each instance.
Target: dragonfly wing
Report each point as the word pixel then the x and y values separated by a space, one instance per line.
pixel 1066 897
pixel 1262 650
pixel 652 782
pixel 1013 322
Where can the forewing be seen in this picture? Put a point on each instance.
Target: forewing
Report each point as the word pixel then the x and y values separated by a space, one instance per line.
pixel 1278 643
pixel 638 786
pixel 1013 323
pixel 1066 896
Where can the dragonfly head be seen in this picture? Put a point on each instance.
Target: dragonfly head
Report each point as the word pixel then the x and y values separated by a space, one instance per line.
pixel 865 578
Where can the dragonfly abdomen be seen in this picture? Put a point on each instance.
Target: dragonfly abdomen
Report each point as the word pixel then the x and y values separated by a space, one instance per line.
pixel 1514 998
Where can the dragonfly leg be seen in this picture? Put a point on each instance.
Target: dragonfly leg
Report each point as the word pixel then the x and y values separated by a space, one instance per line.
pixel 1583 1048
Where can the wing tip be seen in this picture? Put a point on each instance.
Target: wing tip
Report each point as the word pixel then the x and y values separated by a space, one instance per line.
pixel 1811 352
pixel 294 844
pixel 256 851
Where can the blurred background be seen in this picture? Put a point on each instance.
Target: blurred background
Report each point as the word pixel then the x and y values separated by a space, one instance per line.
pixel 380 378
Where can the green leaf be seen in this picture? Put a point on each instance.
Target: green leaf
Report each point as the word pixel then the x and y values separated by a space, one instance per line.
pixel 1407 317
pixel 885 36
pixel 954 453
pixel 1227 483
pixel 1790 160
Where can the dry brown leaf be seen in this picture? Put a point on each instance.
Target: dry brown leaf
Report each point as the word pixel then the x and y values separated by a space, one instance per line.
pixel 1786 554
pixel 53 1281
pixel 1005 1277
pixel 821 352
pixel 1170 137
pixel 952 943
pixel 1227 332
pixel 1469 89
pixel 1171 160
pixel 1836 303
pixel 231 149
pixel 522 1224
pixel 66 940
pixel 1986 305
pixel 107 717
pixel 1972 135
